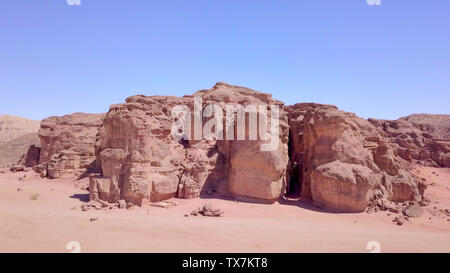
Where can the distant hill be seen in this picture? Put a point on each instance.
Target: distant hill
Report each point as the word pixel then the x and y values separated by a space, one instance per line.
pixel 16 135
pixel 437 125
pixel 12 127
pixel 11 151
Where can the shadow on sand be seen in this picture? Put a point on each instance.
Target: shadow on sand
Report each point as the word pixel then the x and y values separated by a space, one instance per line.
pixel 84 197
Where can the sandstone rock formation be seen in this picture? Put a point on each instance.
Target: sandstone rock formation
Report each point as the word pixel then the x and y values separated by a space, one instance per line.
pixel 341 162
pixel 420 138
pixel 338 160
pixel 141 160
pixel 31 157
pixel 138 157
pixel 252 171
pixel 68 144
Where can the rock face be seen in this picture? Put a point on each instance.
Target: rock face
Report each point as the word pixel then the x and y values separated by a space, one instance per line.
pixel 341 162
pixel 254 168
pixel 419 138
pixel 141 159
pixel 31 157
pixel 138 157
pixel 68 144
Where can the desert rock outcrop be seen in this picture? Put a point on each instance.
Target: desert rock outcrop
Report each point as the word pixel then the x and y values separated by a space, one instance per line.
pixel 341 162
pixel 420 138
pixel 31 157
pixel 338 160
pixel 139 155
pixel 254 169
pixel 68 144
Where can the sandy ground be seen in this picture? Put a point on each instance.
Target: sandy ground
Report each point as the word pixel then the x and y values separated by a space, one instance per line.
pixel 45 215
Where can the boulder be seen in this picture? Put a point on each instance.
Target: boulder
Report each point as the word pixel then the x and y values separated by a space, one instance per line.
pixel 413 211
pixel 17 168
pixel 122 204
pixel 188 188
pixel 106 189
pixel 207 210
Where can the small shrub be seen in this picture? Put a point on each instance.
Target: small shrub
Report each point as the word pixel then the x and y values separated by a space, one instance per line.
pixel 34 196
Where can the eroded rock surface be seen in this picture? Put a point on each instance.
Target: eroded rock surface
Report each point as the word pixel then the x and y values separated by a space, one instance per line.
pixel 68 144
pixel 137 150
pixel 31 157
pixel 139 158
pixel 419 138
pixel 342 162
pixel 255 169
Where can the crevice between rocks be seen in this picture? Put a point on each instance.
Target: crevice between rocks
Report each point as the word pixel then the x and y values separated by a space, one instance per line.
pixel 294 170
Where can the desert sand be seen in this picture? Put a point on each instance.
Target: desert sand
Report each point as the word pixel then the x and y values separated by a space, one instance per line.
pixel 42 215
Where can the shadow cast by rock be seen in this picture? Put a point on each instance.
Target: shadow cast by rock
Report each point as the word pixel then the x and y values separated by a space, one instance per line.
pixel 306 204
pixel 84 197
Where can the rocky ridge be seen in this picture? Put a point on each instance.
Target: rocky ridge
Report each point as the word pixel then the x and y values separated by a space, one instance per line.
pixel 12 127
pixel 419 138
pixel 16 136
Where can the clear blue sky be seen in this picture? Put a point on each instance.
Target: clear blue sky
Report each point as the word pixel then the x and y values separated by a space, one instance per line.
pixel 377 61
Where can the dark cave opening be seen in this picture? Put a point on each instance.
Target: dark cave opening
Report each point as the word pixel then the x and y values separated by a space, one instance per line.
pixel 294 183
pixel 294 186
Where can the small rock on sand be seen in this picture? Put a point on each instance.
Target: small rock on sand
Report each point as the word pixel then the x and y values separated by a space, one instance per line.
pixel 130 205
pixel 15 169
pixel 425 202
pixel 413 211
pixel 208 210
pixel 122 204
